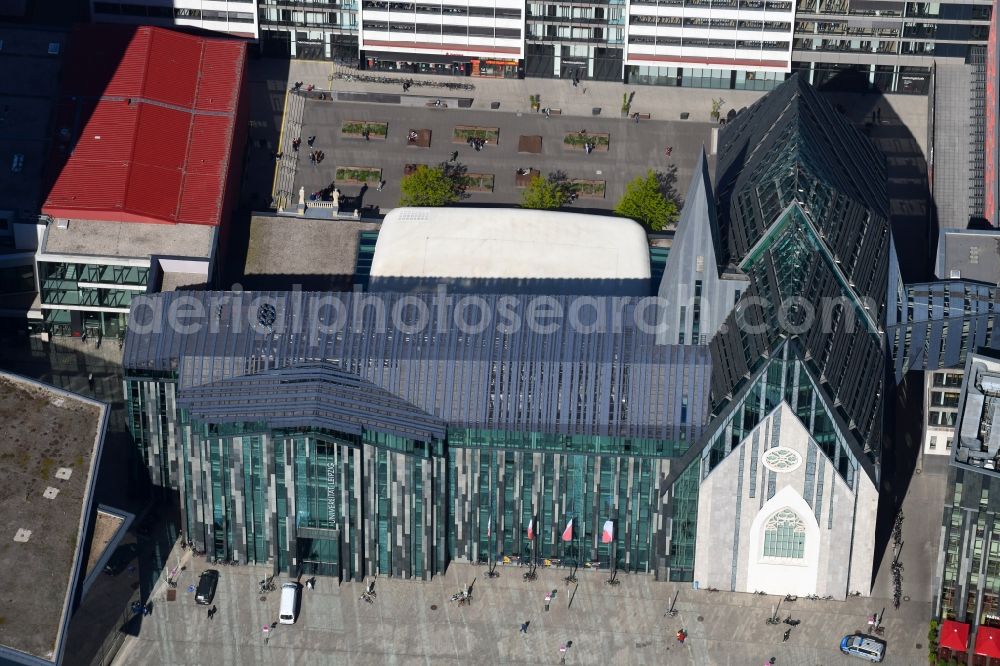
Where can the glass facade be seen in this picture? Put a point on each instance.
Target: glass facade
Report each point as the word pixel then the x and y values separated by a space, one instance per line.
pixel 95 297
pixel 970 577
pixel 342 500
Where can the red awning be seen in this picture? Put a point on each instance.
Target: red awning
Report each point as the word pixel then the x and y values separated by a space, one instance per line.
pixel 988 642
pixel 954 636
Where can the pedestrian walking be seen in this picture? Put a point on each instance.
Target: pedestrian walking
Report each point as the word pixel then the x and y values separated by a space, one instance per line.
pixel 681 636
pixel 878 113
pixel 90 380
pixel 454 156
pixel 788 633
pixel 524 627
pixel 311 140
pixel 873 115
pixel 381 184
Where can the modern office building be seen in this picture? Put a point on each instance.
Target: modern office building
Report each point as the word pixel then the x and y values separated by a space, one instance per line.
pixel 29 84
pixel 737 44
pixel 460 37
pixel 969 562
pixel 48 512
pixel 313 31
pixel 991 149
pixel 146 165
pixel 580 40
pixel 891 46
pixel 753 36
pixel 942 391
pixel 235 17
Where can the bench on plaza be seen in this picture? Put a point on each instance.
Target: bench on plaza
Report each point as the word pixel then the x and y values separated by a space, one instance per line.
pixel 644 116
pixel 555 112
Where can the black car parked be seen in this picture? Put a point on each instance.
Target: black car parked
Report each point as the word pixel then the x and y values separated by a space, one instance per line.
pixel 206 587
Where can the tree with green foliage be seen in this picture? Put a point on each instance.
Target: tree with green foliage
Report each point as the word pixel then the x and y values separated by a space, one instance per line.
pixel 645 202
pixel 430 186
pixel 546 193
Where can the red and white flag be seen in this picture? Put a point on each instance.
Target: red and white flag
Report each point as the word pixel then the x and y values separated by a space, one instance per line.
pixel 531 529
pixel 568 532
pixel 608 535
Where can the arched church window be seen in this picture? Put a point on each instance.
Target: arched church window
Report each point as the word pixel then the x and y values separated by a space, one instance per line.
pixel 785 535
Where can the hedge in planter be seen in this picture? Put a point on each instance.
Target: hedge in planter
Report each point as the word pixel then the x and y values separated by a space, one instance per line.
pixel 465 132
pixel 358 174
pixel 357 128
pixel 577 140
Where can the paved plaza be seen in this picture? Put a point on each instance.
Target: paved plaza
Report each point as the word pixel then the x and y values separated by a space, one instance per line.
pixel 414 622
pixel 633 148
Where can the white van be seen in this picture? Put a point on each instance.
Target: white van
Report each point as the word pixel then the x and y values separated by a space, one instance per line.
pixel 866 647
pixel 289 603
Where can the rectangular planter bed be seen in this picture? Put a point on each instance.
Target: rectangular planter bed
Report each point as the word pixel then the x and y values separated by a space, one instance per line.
pixel 478 182
pixel 354 129
pixel 589 189
pixel 358 175
pixel 523 180
pixel 422 140
pixel 576 141
pixel 463 133
pixel 529 144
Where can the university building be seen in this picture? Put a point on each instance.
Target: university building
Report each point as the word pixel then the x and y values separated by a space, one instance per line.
pixel 422 421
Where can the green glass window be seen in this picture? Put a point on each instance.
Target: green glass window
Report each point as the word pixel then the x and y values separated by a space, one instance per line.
pixel 785 535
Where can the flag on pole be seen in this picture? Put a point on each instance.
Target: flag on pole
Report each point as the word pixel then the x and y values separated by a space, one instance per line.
pixel 531 529
pixel 568 532
pixel 608 535
pixel 489 527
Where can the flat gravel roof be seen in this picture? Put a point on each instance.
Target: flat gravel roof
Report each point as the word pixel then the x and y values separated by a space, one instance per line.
pixel 130 239
pixel 46 433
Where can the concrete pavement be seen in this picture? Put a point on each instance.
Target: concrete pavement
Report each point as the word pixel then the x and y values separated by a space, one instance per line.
pixel 414 622
pixel 662 102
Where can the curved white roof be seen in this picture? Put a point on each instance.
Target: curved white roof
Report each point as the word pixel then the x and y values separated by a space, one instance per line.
pixel 509 243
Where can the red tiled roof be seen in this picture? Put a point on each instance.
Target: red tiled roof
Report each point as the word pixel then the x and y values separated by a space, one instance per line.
pixel 153 114
pixel 988 642
pixel 954 636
